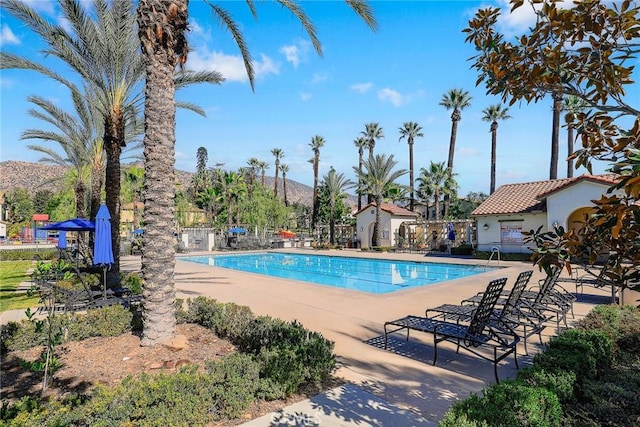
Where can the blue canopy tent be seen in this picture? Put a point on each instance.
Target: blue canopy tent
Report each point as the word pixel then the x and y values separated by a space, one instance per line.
pixel 237 230
pixel 103 249
pixel 74 224
pixel 62 239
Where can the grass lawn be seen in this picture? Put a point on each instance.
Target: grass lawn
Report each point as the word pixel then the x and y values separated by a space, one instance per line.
pixel 12 273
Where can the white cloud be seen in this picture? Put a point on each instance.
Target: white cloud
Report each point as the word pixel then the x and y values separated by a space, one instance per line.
pixel 521 19
pixel 7 36
pixel 319 78
pixel 42 6
pixel 467 152
pixel 295 53
pixel 362 87
pixel 6 83
pixel 305 96
pixel 231 66
pixel 393 96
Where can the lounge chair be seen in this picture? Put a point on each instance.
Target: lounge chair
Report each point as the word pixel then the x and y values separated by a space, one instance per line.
pixel 481 330
pixel 508 310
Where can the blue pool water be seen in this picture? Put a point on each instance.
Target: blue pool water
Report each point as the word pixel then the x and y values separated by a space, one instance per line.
pixel 367 275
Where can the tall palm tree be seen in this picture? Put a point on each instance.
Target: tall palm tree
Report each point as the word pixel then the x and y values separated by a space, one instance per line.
pixel 410 131
pixel 284 168
pixel 555 134
pixel 492 114
pixel 456 100
pixel 317 142
pixel 435 182
pixel 254 166
pixel 573 105
pixel 372 132
pixel 162 26
pixel 263 165
pixel 278 154
pixel 336 185
pixel 99 44
pixel 377 178
pixel 229 186
pixel 361 144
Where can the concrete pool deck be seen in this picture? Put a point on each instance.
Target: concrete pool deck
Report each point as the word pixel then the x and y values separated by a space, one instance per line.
pixel 354 321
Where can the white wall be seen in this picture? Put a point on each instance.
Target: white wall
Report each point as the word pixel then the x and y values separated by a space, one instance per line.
pixel 492 236
pixel 563 203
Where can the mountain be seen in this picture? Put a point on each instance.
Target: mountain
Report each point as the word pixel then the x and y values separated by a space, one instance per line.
pixel 38 176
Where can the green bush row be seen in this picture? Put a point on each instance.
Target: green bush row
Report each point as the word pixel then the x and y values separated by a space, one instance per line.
pixel 105 322
pixel 27 254
pixel 504 256
pixel 571 383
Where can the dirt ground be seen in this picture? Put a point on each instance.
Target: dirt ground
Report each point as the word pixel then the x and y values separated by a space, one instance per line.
pixel 109 360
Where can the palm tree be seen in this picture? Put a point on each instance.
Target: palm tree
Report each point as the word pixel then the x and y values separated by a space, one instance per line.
pixel 555 134
pixel 456 100
pixel 284 169
pixel 410 130
pixel 492 114
pixel 254 166
pixel 134 180
pixel 278 154
pixel 336 185
pixel 372 132
pixel 101 48
pixel 229 186
pixel 263 165
pixel 573 105
pixel 162 26
pixel 361 143
pixel 76 136
pixel 317 142
pixel 376 180
pixel 434 183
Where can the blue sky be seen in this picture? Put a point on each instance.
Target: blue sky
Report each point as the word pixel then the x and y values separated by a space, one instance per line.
pixel 395 75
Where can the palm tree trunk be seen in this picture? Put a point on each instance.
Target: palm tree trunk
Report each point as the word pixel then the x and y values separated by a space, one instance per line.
pixel 113 140
pixel 284 189
pixel 275 182
pixel 316 202
pixel 158 253
pixel 80 192
pixel 332 225
pixel 378 225
pixel 452 148
pixel 569 150
pixel 494 132
pixel 412 201
pixel 555 135
pixel 359 181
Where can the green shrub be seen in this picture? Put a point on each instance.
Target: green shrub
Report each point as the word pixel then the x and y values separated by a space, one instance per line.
pixel 28 254
pixel 462 250
pixel 133 282
pixel 620 323
pixel 107 321
pixel 561 383
pixel 586 353
pixel 508 404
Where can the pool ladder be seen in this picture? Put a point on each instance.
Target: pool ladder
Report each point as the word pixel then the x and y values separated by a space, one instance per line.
pixel 494 251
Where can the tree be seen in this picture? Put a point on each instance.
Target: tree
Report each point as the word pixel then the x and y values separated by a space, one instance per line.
pixel 587 51
pixel 99 44
pixel 317 142
pixel 573 105
pixel 229 187
pixel 133 183
pixel 377 178
pixel 492 114
pixel 162 27
pixel 254 166
pixel 263 165
pixel 278 154
pixel 284 169
pixel 435 182
pixel 361 144
pixel 410 131
pixel 336 185
pixel 75 134
pixel 555 134
pixel 456 100
pixel 372 132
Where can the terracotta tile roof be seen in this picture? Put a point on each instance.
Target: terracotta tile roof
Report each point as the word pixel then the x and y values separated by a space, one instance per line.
pixel 392 209
pixel 530 196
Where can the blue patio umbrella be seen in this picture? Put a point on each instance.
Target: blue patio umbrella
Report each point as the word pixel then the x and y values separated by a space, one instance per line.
pixel 103 249
pixel 74 224
pixel 452 232
pixel 237 230
pixel 62 239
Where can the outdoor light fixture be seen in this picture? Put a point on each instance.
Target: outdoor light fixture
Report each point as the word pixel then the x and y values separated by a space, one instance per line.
pixel 485 227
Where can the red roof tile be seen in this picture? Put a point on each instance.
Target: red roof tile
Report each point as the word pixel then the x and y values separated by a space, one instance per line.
pixel 530 196
pixel 392 209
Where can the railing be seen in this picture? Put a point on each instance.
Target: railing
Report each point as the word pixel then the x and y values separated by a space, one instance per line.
pixel 494 251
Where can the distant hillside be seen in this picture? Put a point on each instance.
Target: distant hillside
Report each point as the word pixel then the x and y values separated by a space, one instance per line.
pixel 37 176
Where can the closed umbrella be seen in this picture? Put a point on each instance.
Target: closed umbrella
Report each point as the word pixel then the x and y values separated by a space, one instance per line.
pixel 62 239
pixel 452 232
pixel 103 249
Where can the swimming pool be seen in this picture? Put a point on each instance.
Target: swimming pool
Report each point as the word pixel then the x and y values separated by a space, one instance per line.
pixel 362 274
